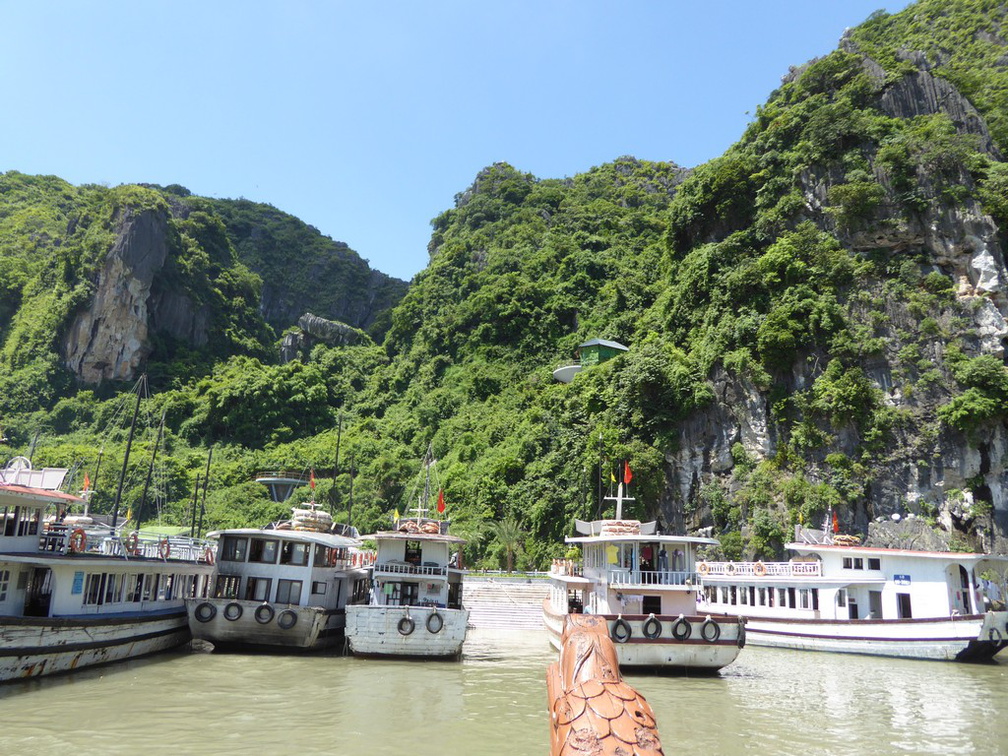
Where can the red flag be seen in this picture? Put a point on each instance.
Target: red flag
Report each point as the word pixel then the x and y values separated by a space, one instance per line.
pixel 627 472
pixel 87 482
pixel 440 501
pixel 311 480
pixel 836 524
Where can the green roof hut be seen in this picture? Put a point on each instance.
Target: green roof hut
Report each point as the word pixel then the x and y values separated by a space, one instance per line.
pixel 592 352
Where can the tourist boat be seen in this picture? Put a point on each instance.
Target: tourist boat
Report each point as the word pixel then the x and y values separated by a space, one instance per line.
pixel 416 600
pixel 282 587
pixel 75 593
pixel 835 595
pixel 646 587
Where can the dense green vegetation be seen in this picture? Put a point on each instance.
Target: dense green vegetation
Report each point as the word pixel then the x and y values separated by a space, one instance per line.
pixel 760 272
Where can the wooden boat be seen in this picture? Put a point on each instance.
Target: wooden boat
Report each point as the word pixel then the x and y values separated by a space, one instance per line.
pixel 282 587
pixel 74 593
pixel 838 596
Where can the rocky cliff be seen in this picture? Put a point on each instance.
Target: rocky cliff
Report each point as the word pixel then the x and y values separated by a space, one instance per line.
pixel 953 479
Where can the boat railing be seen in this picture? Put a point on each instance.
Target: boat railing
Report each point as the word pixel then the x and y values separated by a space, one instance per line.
pixel 104 541
pixel 760 569
pixel 619 576
pixel 406 568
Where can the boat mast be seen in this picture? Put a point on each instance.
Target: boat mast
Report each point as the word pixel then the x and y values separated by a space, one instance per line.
pixel 150 468
pixel 141 384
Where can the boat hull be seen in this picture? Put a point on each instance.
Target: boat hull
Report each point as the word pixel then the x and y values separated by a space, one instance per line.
pixel 232 624
pixel 380 631
pixel 33 647
pixel 970 638
pixel 700 652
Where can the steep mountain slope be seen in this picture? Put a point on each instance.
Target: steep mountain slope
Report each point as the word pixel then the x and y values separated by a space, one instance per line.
pixel 816 322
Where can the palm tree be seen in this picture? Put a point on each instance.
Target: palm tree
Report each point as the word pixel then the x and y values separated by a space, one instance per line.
pixel 509 535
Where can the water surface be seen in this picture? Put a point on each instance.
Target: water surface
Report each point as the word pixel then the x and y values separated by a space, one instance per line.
pixel 494 702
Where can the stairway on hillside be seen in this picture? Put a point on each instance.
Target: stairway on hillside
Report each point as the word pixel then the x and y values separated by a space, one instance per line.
pixel 496 603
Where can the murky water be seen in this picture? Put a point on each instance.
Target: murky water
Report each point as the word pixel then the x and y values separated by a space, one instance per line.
pixel 494 702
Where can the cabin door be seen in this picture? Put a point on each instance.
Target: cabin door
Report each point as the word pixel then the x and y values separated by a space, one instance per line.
pixel 38 593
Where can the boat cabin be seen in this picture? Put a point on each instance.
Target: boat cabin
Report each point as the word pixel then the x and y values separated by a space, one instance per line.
pixel 837 582
pixel 628 568
pixel 286 567
pixel 418 566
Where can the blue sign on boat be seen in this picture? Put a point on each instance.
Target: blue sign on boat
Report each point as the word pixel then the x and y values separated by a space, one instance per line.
pixel 901 579
pixel 78 583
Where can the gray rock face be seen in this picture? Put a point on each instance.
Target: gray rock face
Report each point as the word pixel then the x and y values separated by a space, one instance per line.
pixel 313 329
pixel 920 93
pixel 109 340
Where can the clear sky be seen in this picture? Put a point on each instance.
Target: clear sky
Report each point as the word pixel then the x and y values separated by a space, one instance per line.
pixel 365 118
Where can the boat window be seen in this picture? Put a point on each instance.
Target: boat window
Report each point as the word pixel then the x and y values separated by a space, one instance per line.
pixel 841 597
pixel 262 550
pixel 94 588
pixel 29 522
pixel 110 588
pixel 859 563
pixel 318 588
pixel 803 598
pixel 288 591
pixel 791 598
pixel 135 583
pixel 874 563
pixel 651 605
pixel 782 597
pixel 258 589
pixel 150 590
pixel 4 583
pixel 762 596
pixel 233 549
pixel 227 586
pixel 11 520
pixel 847 563
pixel 294 553
pixel 733 594
pixel 413 552
pixel 360 591
pixel 743 596
pixel 724 594
pixel 903 605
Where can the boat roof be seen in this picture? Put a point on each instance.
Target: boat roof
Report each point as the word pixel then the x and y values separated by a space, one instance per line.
pixel 326 539
pixel 39 495
pixel 629 531
pixel 951 556
pixel 396 535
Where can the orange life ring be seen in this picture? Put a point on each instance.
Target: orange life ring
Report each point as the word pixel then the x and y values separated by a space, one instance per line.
pixel 164 548
pixel 759 569
pixel 702 568
pixel 132 543
pixel 78 540
pixel 207 555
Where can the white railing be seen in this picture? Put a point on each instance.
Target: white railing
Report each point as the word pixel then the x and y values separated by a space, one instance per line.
pixel 652 577
pixel 760 569
pixel 64 539
pixel 404 568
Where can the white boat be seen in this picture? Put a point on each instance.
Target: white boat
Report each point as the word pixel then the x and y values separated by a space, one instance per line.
pixel 416 599
pixel 286 586
pixel 857 599
pixel 74 593
pixel 645 585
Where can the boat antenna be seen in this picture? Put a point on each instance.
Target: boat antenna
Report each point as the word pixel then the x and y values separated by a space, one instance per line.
pixel 139 388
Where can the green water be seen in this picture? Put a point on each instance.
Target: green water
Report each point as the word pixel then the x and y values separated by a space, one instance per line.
pixel 494 702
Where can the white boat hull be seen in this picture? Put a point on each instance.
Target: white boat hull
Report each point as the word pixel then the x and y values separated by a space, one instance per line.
pixel 31 647
pixel 972 638
pixel 229 623
pixel 380 631
pixel 694 653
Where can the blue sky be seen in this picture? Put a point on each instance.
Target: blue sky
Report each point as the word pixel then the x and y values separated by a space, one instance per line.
pixel 365 119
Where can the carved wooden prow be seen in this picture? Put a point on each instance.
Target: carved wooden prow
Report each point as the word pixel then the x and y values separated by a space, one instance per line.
pixel 592 711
